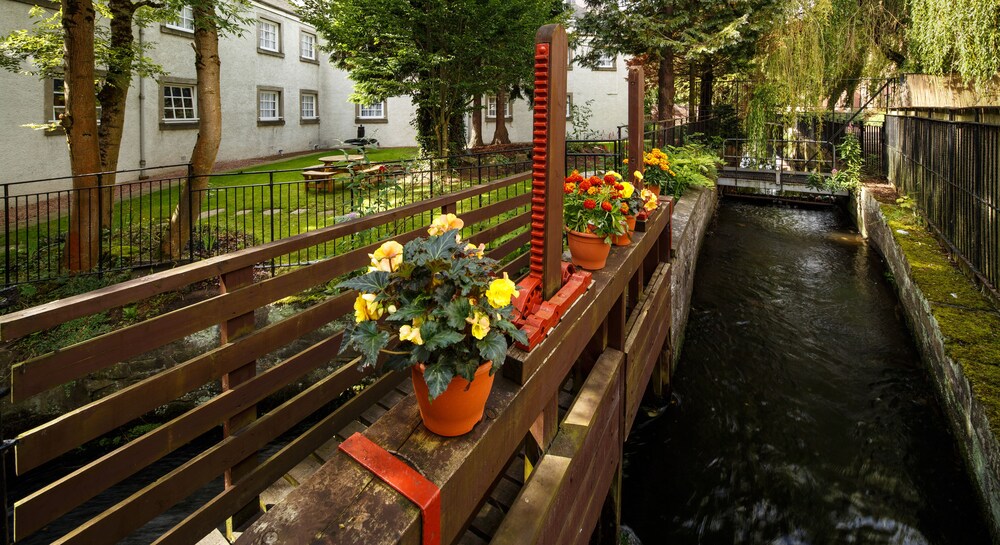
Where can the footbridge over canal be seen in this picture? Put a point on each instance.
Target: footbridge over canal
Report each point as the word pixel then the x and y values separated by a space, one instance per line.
pixel 543 466
pixel 779 168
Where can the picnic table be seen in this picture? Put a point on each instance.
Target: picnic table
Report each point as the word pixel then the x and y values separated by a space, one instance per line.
pixel 331 160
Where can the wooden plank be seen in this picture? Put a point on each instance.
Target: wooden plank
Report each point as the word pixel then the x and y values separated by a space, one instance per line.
pixel 495 209
pixel 516 265
pixel 645 341
pixel 76 427
pixel 41 317
pixel 547 501
pixel 131 513
pixel 207 516
pixel 636 119
pixel 48 371
pixel 236 328
pixel 497 231
pixel 37 509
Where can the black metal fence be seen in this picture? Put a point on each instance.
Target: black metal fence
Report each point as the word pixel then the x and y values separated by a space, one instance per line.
pixel 677 132
pixel 237 210
pixel 952 171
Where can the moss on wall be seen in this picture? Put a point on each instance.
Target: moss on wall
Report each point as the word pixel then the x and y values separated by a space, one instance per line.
pixel 967 319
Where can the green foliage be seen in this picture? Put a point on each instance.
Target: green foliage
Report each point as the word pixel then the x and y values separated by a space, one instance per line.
pixel 691 165
pixel 455 313
pixel 439 53
pixel 961 36
pixel 848 177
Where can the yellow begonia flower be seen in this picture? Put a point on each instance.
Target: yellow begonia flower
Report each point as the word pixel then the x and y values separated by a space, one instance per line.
pixel 615 174
pixel 628 189
pixel 412 334
pixel 445 223
pixel 366 308
pixel 387 257
pixel 478 251
pixel 480 324
pixel 501 291
pixel 638 175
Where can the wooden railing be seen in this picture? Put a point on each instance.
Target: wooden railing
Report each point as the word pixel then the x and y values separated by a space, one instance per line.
pixel 612 340
pixel 495 213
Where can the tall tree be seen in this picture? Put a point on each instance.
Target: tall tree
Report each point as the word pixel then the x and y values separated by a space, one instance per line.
pixel 500 134
pixel 80 122
pixel 55 47
pixel 476 131
pixel 441 53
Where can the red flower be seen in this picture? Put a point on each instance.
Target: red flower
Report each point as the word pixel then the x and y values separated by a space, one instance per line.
pixel 584 186
pixel 590 204
pixel 594 181
pixel 605 205
pixel 568 188
pixel 619 187
pixel 610 179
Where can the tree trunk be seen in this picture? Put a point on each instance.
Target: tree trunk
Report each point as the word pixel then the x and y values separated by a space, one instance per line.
pixel 476 138
pixel 707 88
pixel 691 96
pixel 500 135
pixel 665 93
pixel 206 147
pixel 82 252
pixel 113 96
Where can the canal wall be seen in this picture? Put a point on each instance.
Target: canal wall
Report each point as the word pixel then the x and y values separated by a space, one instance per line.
pixel 693 214
pixel 954 331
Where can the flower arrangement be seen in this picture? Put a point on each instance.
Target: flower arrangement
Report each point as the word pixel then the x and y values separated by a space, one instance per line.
pixel 658 169
pixel 444 301
pixel 593 205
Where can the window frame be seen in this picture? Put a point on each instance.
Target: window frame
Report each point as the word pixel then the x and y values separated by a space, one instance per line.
pixel 48 88
pixel 508 108
pixel 358 118
pixel 569 106
pixel 613 66
pixel 184 123
pixel 303 120
pixel 181 18
pixel 278 51
pixel 279 106
pixel 315 43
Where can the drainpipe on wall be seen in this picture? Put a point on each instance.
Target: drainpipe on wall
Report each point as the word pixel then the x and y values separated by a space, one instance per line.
pixel 142 120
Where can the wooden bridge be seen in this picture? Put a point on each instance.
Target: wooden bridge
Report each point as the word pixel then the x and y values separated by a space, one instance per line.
pixel 782 167
pixel 544 466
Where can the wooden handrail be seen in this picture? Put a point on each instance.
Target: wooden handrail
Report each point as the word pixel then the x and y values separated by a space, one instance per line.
pixel 23 322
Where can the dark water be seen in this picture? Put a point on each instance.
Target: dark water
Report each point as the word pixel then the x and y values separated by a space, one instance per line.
pixel 801 412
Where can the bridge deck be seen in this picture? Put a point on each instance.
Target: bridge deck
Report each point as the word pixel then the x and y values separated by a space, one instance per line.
pixel 768 181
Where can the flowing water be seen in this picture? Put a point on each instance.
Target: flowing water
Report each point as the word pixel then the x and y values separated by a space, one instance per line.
pixel 801 412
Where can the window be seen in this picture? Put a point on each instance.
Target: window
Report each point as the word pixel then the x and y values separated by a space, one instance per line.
pixel 178 103
pixel 268 36
pixel 269 105
pixel 184 20
pixel 55 100
pixel 307 46
pixel 569 59
pixel 372 111
pixel 569 106
pixel 491 108
pixel 308 106
pixel 605 62
pixel 58 99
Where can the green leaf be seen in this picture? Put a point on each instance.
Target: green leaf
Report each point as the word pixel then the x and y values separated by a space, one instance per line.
pixel 457 311
pixel 437 378
pixel 440 247
pixel 467 369
pixel 408 312
pixel 493 347
pixel 372 282
pixel 398 362
pixel 441 339
pixel 368 340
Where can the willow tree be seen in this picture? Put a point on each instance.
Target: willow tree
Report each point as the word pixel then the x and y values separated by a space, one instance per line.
pixel 957 36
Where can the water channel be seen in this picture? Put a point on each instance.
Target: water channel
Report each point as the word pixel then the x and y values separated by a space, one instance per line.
pixel 801 413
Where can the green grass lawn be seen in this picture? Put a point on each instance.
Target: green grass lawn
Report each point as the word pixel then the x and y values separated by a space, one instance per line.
pixel 244 208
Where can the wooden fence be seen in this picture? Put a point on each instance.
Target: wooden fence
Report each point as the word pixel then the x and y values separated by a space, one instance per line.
pixel 952 171
pixel 501 222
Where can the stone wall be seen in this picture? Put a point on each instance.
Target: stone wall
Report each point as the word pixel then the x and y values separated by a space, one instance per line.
pixel 965 412
pixel 692 215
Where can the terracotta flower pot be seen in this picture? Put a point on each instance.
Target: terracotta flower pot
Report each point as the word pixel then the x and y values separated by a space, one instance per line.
pixel 459 408
pixel 588 251
pixel 625 239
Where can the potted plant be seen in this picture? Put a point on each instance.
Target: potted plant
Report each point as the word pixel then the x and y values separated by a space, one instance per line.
pixel 450 311
pixel 658 172
pixel 631 204
pixel 592 215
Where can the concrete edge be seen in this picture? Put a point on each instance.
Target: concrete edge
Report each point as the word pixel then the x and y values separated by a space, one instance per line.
pixel 966 415
pixel 692 215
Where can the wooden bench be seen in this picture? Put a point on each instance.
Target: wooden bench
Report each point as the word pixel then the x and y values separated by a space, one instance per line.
pixel 326 181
